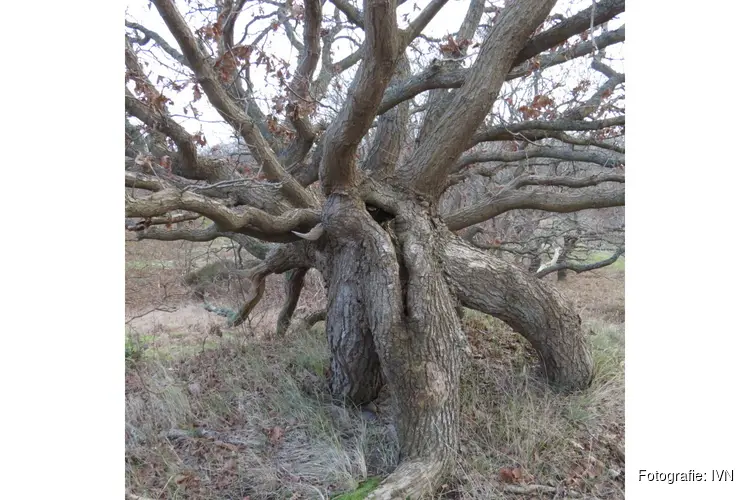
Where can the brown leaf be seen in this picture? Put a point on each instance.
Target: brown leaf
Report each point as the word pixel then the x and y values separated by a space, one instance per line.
pixel 243 51
pixel 507 475
pixel 517 474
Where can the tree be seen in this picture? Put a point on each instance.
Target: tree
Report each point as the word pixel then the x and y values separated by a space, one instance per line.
pixel 357 193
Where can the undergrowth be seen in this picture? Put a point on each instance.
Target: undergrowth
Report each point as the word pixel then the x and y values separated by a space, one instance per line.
pixel 254 420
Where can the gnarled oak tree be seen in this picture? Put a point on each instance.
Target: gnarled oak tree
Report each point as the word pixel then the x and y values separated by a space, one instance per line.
pixel 345 186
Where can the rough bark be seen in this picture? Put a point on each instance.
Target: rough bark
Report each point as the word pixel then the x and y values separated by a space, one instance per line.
pixel 532 308
pixel 390 313
pixel 422 361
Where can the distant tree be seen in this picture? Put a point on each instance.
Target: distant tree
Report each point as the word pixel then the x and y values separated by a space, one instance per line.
pixel 353 181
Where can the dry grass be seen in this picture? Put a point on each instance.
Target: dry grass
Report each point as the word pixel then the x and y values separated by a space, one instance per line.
pixel 246 420
pixel 244 416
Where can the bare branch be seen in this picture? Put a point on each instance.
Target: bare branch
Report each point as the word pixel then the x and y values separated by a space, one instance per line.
pixel 351 12
pixel 565 181
pixel 229 13
pixel 152 35
pixel 156 115
pixel 592 104
pixel 251 245
pixel 593 156
pixel 380 55
pixel 604 10
pixel 428 169
pixel 510 132
pixel 172 218
pixel 301 103
pixel 143 181
pixel 422 20
pixel 514 199
pixel 294 280
pixel 439 99
pixel 390 134
pixel 548 60
pixel 279 259
pixel 580 268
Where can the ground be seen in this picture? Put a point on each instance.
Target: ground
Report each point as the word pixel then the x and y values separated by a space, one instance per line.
pixel 235 413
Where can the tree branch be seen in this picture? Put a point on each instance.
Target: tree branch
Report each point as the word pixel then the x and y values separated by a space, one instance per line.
pixel 421 21
pixel 301 103
pixel 172 218
pixel 143 181
pixel 380 55
pixel 156 115
pixel 581 268
pixel 604 10
pixel 351 12
pixel 510 132
pixel 152 35
pixel 428 169
pixel 279 259
pixel 248 220
pixel 597 157
pixel 506 200
pixel 390 134
pixel 254 247
pixel 439 99
pixel 592 104
pixel 294 280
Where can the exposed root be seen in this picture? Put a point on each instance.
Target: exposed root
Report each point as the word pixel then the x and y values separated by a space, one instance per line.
pixel 412 479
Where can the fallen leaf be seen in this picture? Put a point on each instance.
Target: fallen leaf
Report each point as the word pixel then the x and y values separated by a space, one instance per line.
pixel 517 475
pixel 507 476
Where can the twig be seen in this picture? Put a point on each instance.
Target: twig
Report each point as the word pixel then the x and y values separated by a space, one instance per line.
pixel 170 309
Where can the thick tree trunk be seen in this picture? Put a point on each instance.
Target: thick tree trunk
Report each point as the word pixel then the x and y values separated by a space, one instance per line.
pixel 422 362
pixel 355 367
pixel 390 309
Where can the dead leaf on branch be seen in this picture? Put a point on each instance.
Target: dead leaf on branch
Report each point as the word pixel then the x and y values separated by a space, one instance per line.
pixel 199 138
